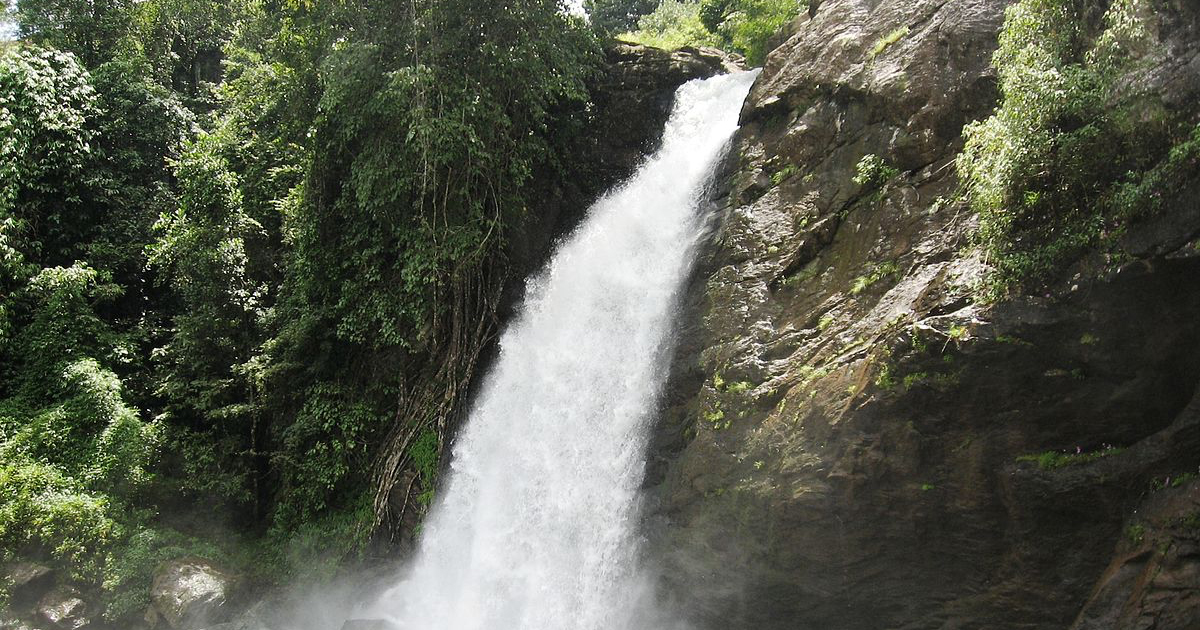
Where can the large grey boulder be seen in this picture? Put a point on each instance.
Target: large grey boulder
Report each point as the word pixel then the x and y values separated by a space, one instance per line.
pixel 28 581
pixel 63 609
pixel 192 592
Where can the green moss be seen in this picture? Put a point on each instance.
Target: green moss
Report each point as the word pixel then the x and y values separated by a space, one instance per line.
pixel 739 387
pixel 939 379
pixel 853 344
pixel 885 379
pixel 783 174
pixel 879 272
pixel 1135 533
pixel 809 373
pixel 810 271
pixel 912 379
pixel 884 42
pixel 1053 460
pixel 1173 481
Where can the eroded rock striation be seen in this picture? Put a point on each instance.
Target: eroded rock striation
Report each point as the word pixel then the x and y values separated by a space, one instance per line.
pixel 852 439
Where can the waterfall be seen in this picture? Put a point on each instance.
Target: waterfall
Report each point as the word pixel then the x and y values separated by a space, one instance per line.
pixel 536 527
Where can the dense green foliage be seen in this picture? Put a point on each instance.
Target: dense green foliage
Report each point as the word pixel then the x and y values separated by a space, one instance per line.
pixel 234 236
pixel 1072 154
pixel 674 24
pixel 617 16
pixel 744 26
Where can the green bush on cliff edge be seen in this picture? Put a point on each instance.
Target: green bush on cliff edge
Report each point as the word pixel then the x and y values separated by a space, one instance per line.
pixel 743 26
pixel 1071 154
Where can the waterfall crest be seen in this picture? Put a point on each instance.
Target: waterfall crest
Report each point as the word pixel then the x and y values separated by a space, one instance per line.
pixel 535 527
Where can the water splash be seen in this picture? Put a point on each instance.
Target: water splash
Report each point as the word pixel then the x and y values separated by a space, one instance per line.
pixel 536 527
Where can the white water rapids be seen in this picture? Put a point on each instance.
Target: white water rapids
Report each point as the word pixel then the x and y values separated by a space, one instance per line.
pixel 536 527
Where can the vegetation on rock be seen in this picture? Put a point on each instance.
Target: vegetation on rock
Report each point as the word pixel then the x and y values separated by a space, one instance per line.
pixel 744 26
pixel 233 235
pixel 1077 148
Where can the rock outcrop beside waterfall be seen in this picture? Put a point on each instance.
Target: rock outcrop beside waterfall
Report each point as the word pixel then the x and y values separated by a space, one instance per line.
pixel 850 438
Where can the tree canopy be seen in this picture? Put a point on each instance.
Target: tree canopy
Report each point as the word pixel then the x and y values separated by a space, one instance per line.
pixel 233 235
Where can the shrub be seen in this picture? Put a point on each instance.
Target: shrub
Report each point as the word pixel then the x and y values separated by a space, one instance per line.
pixel 321 451
pixel 315 548
pixel 44 512
pixel 873 171
pixel 91 435
pixel 753 22
pixel 615 16
pixel 674 24
pixel 746 25
pixel 1069 157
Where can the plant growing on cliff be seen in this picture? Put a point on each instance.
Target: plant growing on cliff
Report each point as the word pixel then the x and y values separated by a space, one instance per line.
pixel 674 24
pixel 784 174
pixel 747 25
pixel 1071 155
pixel 877 273
pixel 887 40
pixel 872 172
pixel 1053 460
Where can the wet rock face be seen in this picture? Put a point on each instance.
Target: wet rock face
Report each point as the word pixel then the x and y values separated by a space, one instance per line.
pixel 1152 580
pixel 191 593
pixel 851 440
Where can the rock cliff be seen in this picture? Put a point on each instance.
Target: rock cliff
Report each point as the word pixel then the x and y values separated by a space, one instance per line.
pixel 852 438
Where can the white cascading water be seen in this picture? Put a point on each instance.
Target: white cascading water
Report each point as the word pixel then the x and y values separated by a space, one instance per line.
pixel 537 525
